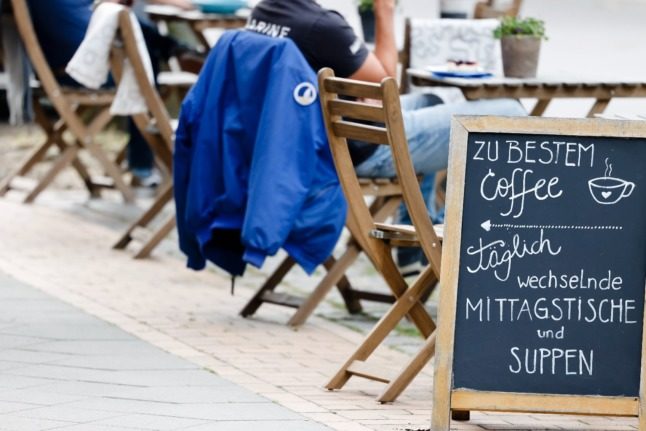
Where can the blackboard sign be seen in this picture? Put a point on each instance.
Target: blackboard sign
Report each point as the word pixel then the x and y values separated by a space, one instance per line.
pixel 544 267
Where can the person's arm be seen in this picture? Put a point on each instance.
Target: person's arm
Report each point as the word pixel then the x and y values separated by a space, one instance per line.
pixel 382 62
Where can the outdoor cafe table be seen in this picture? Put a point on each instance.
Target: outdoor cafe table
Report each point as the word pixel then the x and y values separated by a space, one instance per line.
pixel 197 20
pixel 542 88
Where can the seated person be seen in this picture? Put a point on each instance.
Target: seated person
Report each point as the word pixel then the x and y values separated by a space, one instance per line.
pixel 60 26
pixel 327 40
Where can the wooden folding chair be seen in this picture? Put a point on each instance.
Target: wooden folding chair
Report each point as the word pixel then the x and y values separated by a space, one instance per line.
pixel 158 130
pixel 343 121
pixel 73 106
pixel 386 194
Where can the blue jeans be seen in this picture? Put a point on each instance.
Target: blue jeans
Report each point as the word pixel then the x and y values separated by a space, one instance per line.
pixel 427 130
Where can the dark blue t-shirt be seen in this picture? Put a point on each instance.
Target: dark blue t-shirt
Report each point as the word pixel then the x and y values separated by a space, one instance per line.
pixel 60 27
pixel 322 35
pixel 324 38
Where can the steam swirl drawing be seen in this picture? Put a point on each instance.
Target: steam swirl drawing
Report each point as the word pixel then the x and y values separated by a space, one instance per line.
pixel 609 190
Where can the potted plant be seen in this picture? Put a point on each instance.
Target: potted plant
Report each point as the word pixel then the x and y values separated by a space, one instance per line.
pixel 520 41
pixel 367 20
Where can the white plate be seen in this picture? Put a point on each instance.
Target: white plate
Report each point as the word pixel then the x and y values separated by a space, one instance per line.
pixel 445 72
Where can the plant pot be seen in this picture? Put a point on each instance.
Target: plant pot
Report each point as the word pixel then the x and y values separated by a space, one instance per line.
pixel 368 24
pixel 520 55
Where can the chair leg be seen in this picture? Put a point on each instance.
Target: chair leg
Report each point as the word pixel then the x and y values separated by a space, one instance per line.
pixel 270 284
pixel 335 275
pixel 121 156
pixel 55 131
pixel 408 373
pixel 417 314
pixel 157 237
pixel 68 155
pixel 164 197
pixel 352 302
pixel 97 124
pixel 81 170
pixel 34 157
pixel 323 288
pixel 156 142
pixel 405 302
pixel 111 170
pixel 381 208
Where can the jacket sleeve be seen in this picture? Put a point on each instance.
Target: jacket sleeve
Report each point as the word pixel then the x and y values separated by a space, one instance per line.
pixel 283 163
pixel 182 160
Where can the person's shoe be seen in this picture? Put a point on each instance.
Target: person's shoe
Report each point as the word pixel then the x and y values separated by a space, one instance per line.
pixel 409 261
pixel 411 269
pixel 151 180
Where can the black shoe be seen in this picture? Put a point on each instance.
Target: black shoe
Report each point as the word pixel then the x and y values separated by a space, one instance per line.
pixel 150 181
pixel 410 260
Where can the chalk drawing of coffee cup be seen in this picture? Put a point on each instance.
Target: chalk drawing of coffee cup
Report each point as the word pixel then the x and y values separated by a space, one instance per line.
pixel 608 190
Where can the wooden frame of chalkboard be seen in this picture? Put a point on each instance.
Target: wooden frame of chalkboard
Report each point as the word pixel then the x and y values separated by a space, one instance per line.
pixel 447 397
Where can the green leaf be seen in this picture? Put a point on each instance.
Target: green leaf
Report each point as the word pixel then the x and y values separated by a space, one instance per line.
pixel 365 5
pixel 513 26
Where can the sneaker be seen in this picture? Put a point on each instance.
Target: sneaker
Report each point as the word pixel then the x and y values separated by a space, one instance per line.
pixel 410 260
pixel 411 269
pixel 150 181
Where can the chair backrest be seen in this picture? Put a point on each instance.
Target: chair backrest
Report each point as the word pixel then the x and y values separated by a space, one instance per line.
pixel 435 41
pixel 160 139
pixel 345 119
pixel 158 112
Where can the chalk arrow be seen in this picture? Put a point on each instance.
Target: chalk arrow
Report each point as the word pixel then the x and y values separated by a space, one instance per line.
pixel 487 225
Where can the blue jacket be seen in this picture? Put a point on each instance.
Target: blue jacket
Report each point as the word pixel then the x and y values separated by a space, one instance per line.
pixel 252 168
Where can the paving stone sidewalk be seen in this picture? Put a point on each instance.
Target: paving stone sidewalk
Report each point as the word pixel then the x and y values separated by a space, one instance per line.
pixel 61 368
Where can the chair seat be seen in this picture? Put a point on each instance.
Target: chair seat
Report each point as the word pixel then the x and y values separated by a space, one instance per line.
pixel 176 79
pixel 88 97
pixel 380 186
pixel 402 234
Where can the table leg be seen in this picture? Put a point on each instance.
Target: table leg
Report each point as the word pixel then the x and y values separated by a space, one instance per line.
pixel 540 107
pixel 599 106
pixel 198 30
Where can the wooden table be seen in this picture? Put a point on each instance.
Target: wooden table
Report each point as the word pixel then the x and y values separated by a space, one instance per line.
pixel 542 88
pixel 198 21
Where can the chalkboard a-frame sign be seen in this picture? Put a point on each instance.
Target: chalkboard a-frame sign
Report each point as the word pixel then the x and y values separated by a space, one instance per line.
pixel 544 269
